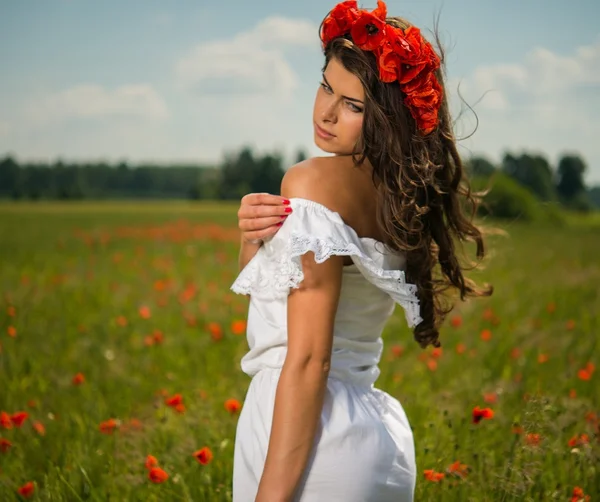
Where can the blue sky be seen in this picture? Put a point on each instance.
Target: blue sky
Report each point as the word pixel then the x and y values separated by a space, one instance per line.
pixel 184 81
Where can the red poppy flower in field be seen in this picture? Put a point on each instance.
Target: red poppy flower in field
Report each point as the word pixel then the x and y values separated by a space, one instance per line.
pixel 479 414
pixel 486 335
pixel 397 350
pixel 432 364
pixel 5 445
pixel 433 476
pixel 215 330
pixel 78 379
pixel 584 374
pixel 533 439
pixel 203 455
pixel 570 325
pixel 144 312
pixel 515 353
pixel 517 429
pixel 11 311
pixel 238 327
pixel 456 321
pixel 151 462
pixel 460 348
pixel 542 358
pixel 436 353
pixel 122 321
pixel 174 400
pixel 233 405
pixel 39 428
pixel 157 475
pixel 27 489
pixel 591 417
pixel 158 336
pixel 458 469
pixel 5 421
pixel 572 393
pixel 490 397
pixel 579 440
pixel 135 423
pixel 488 314
pixel 108 426
pixel 579 495
pixel 18 418
pixel 12 331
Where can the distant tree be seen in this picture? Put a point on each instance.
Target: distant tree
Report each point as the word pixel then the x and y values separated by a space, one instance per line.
pixel 236 174
pixel 301 156
pixel 479 166
pixel 594 196
pixel 571 169
pixel 208 185
pixel 533 172
pixel 10 178
pixel 268 174
pixel 244 173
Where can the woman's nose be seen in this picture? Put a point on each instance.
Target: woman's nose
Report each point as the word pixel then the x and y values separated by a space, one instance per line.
pixel 329 113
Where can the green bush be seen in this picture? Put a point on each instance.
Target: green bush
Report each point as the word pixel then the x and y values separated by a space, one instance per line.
pixel 506 199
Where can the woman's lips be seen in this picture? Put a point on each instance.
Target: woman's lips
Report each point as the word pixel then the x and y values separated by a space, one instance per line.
pixel 322 133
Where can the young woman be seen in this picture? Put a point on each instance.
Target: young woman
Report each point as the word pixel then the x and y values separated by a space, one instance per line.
pixel 325 263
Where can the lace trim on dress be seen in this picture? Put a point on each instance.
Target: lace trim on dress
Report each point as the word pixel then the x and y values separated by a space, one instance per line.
pixel 285 271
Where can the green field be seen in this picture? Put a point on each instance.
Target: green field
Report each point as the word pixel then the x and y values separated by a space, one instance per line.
pixel 135 297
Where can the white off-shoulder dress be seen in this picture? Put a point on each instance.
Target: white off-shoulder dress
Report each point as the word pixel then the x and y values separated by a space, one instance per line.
pixel 364 448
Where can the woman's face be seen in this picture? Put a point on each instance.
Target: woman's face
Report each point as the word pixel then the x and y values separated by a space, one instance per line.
pixel 338 110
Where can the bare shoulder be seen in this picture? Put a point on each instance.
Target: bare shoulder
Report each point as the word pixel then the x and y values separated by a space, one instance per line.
pixel 319 179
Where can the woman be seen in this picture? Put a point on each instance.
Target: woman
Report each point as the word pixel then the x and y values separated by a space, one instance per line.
pixel 359 232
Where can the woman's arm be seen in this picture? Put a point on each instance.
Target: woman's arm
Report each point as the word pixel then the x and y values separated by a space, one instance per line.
pixel 303 379
pixel 302 383
pixel 247 252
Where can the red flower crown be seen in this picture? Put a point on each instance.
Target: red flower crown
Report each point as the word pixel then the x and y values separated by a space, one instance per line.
pixel 402 55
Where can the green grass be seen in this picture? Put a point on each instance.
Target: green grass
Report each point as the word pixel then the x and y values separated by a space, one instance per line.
pixel 70 270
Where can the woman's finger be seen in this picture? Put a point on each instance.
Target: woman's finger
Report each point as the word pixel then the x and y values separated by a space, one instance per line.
pixel 257 235
pixel 254 224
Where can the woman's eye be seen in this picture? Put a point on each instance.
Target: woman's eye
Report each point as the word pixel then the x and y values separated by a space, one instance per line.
pixel 325 87
pixel 354 108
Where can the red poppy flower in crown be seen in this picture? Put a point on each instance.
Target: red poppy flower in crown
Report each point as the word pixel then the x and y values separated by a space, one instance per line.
pixel 402 55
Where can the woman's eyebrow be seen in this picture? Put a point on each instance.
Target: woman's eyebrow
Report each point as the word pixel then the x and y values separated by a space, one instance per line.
pixel 345 97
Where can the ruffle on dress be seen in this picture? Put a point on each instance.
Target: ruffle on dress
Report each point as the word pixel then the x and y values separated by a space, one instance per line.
pixel 276 267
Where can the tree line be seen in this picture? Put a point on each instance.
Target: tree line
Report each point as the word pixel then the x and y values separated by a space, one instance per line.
pixel 563 184
pixel 245 171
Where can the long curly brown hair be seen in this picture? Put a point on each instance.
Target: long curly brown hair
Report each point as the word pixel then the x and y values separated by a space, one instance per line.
pixel 423 190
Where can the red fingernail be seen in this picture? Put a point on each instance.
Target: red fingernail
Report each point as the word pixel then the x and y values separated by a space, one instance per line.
pixel 288 209
pixel 286 201
pixel 280 223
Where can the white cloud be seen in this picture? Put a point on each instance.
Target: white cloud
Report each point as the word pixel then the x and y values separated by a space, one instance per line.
pixel 94 101
pixel 548 102
pixel 249 64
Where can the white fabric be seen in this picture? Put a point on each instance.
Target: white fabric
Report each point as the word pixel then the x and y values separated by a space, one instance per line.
pixel 364 448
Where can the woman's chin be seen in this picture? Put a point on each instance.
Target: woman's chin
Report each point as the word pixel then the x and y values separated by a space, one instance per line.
pixel 324 145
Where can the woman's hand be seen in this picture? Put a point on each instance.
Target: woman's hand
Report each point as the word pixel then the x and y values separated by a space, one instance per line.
pixel 261 215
